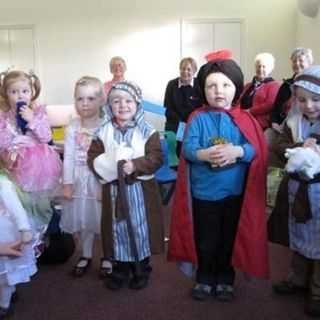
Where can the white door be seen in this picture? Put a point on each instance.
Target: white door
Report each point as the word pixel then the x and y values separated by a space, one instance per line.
pixel 17 49
pixel 199 37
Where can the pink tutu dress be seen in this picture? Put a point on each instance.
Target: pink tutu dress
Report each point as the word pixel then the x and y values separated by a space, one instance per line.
pixel 33 164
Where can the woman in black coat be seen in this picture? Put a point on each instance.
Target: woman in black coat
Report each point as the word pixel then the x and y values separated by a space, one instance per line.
pixel 182 96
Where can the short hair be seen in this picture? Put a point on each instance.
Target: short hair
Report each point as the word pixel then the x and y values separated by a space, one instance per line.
pixel 265 57
pixel 117 58
pixel 189 60
pixel 300 51
pixel 90 81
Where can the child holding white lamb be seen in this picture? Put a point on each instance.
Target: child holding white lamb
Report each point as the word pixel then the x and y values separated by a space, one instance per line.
pixel 300 189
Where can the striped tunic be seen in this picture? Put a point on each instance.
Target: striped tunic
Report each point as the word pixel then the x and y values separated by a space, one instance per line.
pixel 305 237
pixel 137 212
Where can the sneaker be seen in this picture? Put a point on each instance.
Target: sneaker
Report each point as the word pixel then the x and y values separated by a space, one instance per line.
pixel 286 287
pixel 224 292
pixel 201 292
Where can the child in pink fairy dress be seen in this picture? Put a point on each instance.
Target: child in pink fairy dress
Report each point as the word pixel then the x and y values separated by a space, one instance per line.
pixel 25 137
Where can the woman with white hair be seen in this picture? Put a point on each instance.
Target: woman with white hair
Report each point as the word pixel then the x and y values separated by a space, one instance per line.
pixel 258 95
pixel 118 68
pixel 301 59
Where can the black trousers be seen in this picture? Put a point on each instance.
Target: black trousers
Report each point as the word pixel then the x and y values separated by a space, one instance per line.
pixel 215 227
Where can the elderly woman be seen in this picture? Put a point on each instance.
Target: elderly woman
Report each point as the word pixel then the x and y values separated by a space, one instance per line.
pixel 182 96
pixel 259 95
pixel 301 58
pixel 118 68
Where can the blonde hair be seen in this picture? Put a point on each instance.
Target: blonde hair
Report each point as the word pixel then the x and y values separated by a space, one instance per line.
pixel 90 81
pixel 189 60
pixel 267 58
pixel 8 78
pixel 115 59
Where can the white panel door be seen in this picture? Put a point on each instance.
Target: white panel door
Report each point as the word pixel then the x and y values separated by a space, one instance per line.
pixel 4 50
pixel 228 35
pixel 22 49
pixel 197 40
pixel 199 37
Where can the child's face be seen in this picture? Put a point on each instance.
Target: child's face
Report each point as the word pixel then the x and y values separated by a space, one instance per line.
pixel 19 91
pixel 219 90
pixel 88 102
pixel 308 103
pixel 123 106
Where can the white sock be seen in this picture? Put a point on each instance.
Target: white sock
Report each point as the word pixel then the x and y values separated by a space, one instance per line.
pixel 87 240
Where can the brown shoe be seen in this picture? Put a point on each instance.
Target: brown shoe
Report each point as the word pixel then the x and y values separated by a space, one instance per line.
pixel 286 287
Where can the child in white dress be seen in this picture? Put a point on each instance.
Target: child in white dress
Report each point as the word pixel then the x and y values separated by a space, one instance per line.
pixel 81 189
pixel 16 229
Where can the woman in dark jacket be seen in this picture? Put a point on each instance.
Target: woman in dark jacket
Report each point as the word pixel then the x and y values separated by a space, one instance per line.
pixel 301 58
pixel 182 96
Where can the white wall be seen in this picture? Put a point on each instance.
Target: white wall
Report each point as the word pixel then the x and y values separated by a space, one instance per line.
pixel 78 37
pixel 308 34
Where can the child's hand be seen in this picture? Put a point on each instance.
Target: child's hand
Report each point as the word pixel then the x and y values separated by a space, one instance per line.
pixel 206 154
pixel 310 143
pixel 11 249
pixel 276 127
pixel 225 154
pixel 26 113
pixel 26 236
pixel 129 167
pixel 67 191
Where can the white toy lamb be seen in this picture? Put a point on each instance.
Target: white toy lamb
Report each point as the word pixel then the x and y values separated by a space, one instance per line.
pixel 303 160
pixel 106 163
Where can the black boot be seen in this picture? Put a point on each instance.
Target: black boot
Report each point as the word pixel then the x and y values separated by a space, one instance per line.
pixel 119 276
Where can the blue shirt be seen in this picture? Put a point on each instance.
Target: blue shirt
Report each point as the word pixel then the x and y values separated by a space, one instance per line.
pixel 209 183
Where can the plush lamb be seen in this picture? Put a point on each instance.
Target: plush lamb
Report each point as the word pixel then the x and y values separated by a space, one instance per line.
pixel 303 160
pixel 106 163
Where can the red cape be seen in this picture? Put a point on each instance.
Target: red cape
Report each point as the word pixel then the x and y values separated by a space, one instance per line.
pixel 250 252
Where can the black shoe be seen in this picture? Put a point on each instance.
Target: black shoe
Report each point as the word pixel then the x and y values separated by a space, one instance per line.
pixel 286 287
pixel 201 292
pixel 78 270
pixel 5 312
pixel 312 307
pixel 105 268
pixel 224 292
pixel 116 280
pixel 113 283
pixel 138 283
pixel 14 297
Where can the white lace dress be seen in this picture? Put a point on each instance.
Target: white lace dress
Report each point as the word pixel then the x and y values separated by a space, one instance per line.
pixel 83 212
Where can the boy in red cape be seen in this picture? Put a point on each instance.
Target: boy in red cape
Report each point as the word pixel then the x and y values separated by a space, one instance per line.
pixel 218 216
